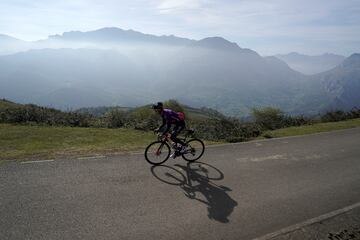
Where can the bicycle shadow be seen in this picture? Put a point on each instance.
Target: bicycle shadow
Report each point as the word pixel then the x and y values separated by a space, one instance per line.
pixel 199 178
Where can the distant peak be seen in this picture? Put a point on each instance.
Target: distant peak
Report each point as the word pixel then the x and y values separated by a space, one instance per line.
pixel 355 56
pixel 7 37
pixel 114 34
pixel 217 42
pixel 102 32
pixel 111 30
pixel 332 55
pixel 296 54
pixel 353 60
pixel 215 39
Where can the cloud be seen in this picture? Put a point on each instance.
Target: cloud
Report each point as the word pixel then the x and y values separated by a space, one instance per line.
pixel 255 24
pixel 180 6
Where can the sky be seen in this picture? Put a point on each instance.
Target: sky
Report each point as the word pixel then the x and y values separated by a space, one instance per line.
pixel 267 26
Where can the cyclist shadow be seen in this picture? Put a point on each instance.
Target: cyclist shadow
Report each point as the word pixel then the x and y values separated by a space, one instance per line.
pixel 197 184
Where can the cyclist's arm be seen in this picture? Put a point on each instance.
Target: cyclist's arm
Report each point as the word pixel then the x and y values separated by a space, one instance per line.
pixel 167 128
pixel 165 123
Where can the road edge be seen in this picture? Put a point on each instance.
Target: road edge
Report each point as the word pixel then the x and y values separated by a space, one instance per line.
pixel 309 222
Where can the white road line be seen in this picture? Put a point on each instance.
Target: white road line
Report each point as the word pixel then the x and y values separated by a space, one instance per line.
pixel 38 161
pixel 136 153
pixel 279 138
pixel 308 222
pixel 91 157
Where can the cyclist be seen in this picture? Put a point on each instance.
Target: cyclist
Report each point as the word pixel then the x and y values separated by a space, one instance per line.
pixel 169 118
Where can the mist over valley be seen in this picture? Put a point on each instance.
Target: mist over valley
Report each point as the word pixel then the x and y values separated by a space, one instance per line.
pixel 111 66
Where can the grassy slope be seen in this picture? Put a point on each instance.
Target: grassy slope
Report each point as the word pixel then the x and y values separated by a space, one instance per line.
pixel 7 104
pixel 24 141
pixel 308 129
pixel 17 141
pixel 42 142
pixel 21 141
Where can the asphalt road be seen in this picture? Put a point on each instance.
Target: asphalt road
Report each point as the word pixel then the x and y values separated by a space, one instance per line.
pixel 238 191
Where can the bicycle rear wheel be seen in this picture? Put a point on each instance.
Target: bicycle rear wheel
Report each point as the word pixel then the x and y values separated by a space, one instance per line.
pixel 157 152
pixel 194 150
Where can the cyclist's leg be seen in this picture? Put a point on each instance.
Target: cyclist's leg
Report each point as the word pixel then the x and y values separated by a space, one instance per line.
pixel 177 129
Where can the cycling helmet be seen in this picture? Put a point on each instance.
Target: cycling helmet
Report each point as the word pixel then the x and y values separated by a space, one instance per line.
pixel 159 105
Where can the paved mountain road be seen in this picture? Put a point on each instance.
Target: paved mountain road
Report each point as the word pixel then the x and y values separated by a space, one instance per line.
pixel 236 191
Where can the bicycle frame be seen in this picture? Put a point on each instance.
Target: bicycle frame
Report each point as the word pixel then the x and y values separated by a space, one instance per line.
pixel 164 141
pixel 166 138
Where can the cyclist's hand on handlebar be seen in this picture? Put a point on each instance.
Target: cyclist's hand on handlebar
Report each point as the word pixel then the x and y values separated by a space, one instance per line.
pixel 163 136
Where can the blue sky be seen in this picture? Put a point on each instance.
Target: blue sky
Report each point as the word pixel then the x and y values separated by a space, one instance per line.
pixel 266 26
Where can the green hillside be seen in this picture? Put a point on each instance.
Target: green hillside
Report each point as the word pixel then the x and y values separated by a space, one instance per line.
pixel 44 142
pixel 30 131
pixel 27 142
pixel 5 104
pixel 192 113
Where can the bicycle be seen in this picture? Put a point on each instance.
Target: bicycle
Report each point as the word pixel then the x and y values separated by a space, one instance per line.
pixel 159 151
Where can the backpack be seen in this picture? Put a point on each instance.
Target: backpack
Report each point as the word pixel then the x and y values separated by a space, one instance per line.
pixel 181 116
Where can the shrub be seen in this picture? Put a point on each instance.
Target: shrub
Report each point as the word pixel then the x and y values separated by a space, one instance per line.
pixel 230 130
pixel 144 118
pixel 268 118
pixel 174 105
pixel 33 114
pixel 334 116
pixel 354 113
pixel 289 121
pixel 115 118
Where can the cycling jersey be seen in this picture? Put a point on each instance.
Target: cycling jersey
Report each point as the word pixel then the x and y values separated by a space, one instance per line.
pixel 171 117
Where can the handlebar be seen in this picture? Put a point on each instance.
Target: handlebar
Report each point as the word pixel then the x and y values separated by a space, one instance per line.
pixel 166 136
pixel 163 137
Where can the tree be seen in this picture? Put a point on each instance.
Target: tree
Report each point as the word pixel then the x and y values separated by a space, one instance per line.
pixel 115 118
pixel 174 105
pixel 268 118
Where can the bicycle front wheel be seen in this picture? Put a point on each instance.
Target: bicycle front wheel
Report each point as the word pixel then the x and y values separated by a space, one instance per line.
pixel 194 150
pixel 157 152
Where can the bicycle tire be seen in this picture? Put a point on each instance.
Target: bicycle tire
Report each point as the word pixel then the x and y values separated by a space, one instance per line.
pixel 211 172
pixel 168 177
pixel 157 145
pixel 187 155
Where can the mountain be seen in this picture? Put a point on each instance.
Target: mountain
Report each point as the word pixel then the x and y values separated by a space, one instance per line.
pixel 9 45
pixel 231 81
pixel 70 78
pixel 128 68
pixel 311 64
pixel 117 35
pixel 7 39
pixel 343 83
pixel 217 43
pixel 104 38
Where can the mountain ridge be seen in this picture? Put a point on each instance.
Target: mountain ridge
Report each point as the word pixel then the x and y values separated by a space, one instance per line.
pixel 211 72
pixel 311 64
pixel 113 34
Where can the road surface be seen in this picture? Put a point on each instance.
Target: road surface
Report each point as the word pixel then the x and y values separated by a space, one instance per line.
pixel 236 191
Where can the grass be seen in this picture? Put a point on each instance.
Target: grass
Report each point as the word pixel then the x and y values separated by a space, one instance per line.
pixel 21 141
pixel 309 129
pixel 7 105
pixel 44 142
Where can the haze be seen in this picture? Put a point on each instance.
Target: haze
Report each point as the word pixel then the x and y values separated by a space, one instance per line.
pixel 269 27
